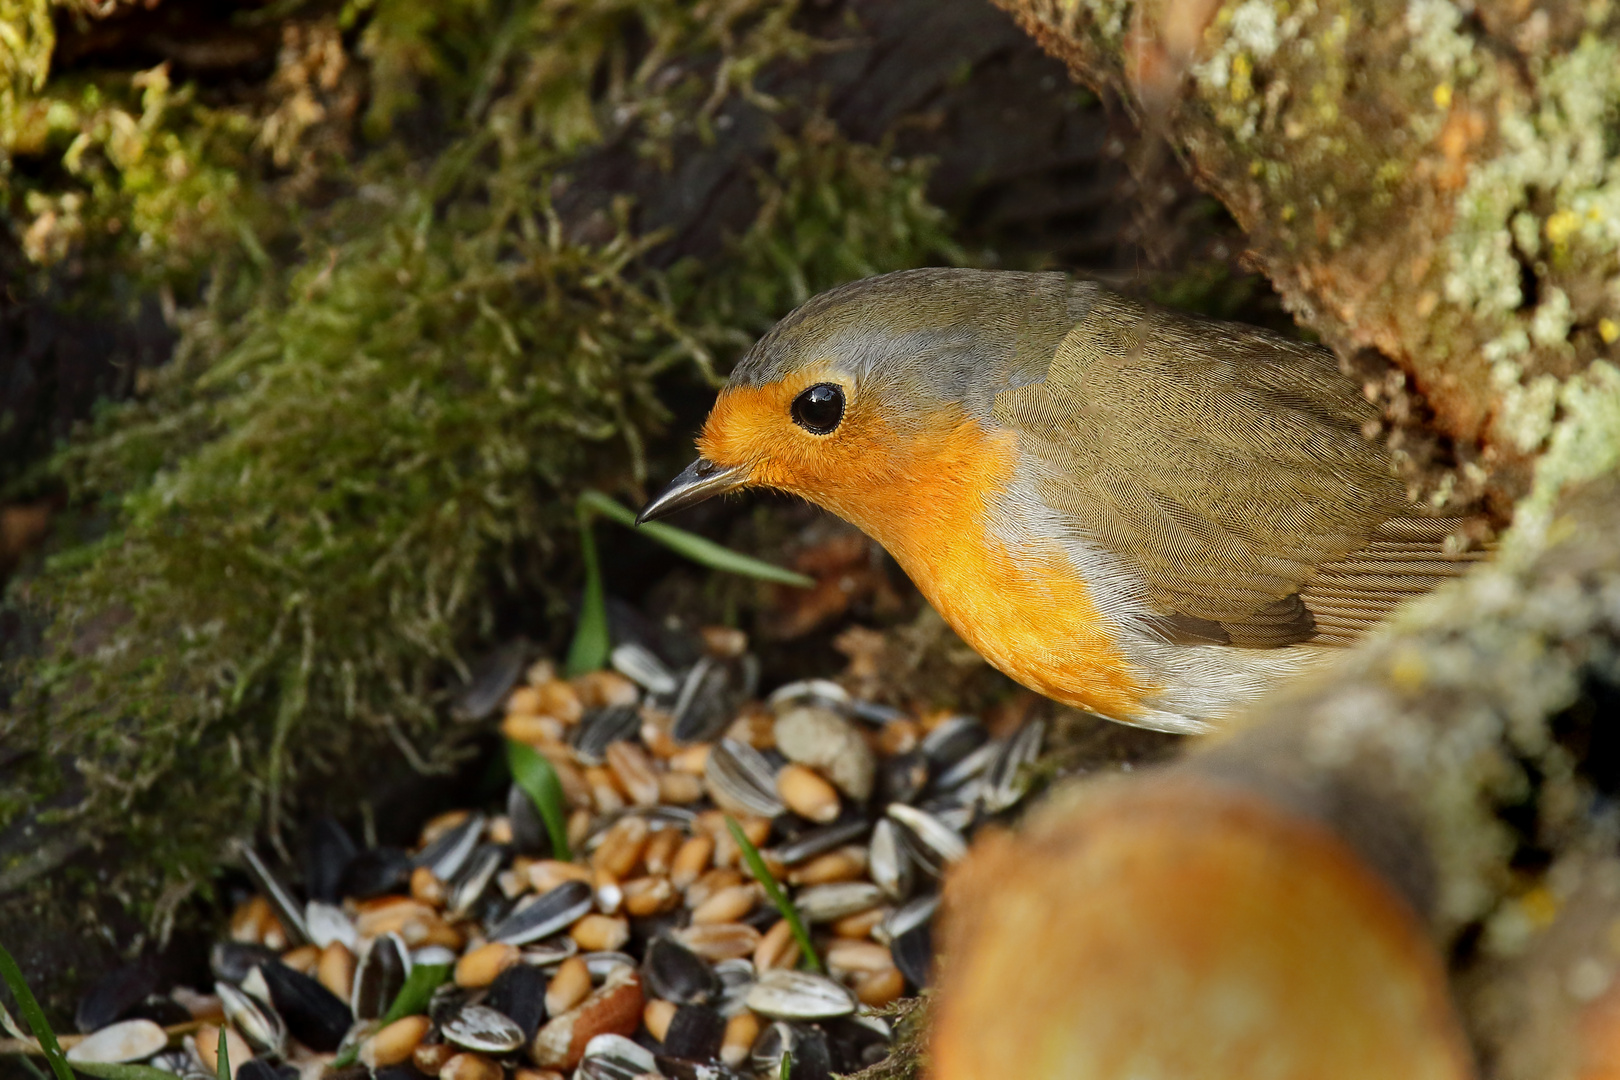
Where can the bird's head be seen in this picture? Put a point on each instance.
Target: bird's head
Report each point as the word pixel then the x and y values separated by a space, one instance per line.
pixel 862 388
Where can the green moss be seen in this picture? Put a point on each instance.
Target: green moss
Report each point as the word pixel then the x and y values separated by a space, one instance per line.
pixel 314 501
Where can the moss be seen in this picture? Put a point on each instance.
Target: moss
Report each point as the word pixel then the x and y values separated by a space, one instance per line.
pixel 382 407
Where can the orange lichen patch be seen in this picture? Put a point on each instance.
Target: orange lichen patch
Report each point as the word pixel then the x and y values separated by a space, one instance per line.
pixel 1177 928
pixel 919 488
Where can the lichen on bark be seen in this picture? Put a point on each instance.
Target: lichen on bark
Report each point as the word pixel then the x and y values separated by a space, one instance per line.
pixel 1436 181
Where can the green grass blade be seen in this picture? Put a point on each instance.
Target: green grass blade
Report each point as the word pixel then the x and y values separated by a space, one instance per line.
pixel 763 875
pixel 534 774
pixel 33 1015
pixel 592 644
pixel 103 1070
pixel 694 547
pixel 222 1058
pixel 786 1071
pixel 414 996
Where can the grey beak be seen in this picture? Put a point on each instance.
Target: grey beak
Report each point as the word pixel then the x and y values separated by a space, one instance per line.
pixel 701 480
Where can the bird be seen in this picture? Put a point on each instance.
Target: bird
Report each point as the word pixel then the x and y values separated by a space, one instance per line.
pixel 1143 513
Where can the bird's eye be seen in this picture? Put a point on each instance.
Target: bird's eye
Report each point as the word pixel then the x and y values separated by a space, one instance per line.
pixel 819 409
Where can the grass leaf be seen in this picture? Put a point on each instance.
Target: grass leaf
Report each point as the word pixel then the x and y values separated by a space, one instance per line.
pixel 592 644
pixel 534 774
pixel 786 1071
pixel 763 875
pixel 222 1059
pixel 694 547
pixel 413 997
pixel 106 1070
pixel 28 1005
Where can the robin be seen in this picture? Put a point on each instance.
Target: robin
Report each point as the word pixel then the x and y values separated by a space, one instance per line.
pixel 1142 513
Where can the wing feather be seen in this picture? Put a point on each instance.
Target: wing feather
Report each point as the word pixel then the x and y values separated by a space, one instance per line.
pixel 1228 465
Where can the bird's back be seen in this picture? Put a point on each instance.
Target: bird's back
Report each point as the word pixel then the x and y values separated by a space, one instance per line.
pixel 1215 485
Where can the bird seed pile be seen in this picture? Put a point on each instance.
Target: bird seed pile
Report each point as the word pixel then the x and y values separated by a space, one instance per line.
pixel 654 950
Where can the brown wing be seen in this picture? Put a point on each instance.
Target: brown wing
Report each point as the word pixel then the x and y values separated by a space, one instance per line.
pixel 1228 465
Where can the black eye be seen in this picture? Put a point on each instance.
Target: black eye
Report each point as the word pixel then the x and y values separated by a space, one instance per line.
pixel 819 408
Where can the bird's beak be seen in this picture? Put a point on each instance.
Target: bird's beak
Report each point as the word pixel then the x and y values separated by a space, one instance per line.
pixel 701 480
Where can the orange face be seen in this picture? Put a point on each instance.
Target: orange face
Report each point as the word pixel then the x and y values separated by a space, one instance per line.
pixel 923 487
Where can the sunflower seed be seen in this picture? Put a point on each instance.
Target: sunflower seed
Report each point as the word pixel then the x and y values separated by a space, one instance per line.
pixel 479 1027
pixel 824 903
pixel 519 993
pixel 253 1020
pixel 551 913
pixel 446 1001
pixel 1007 779
pixel 642 666
pixel 695 1033
pixel 233 961
pixel 255 987
pixel 953 739
pixel 739 774
pixel 491 679
pixel 969 768
pixel 702 709
pixel 820 840
pixel 601 964
pixel 328 923
pixel 911 914
pixel 913 953
pixel 818 691
pixel 736 976
pixel 675 973
pixel 314 1015
pixel 799 995
pixel 954 810
pixel 902 778
pixel 614 1057
pixel 549 953
pixel 887 860
pixel 474 879
pixel 448 853
pixel 529 836
pixel 873 713
pixel 600 728
pixel 383 967
pixel 112 996
pixel 934 843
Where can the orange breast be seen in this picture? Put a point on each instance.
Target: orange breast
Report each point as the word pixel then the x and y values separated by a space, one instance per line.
pixel 1026 611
